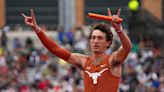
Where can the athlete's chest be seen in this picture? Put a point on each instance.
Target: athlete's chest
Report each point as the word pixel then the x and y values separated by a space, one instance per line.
pixel 95 72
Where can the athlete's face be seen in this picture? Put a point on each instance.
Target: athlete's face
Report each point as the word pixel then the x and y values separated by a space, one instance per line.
pixel 98 41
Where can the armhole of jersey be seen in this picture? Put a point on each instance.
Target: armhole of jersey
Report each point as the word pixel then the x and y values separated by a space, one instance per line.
pixel 86 63
pixel 109 67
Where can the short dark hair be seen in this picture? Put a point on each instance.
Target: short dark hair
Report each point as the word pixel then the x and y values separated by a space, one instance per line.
pixel 103 27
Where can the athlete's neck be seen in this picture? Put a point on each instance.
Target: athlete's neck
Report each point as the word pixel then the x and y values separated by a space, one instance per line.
pixel 97 56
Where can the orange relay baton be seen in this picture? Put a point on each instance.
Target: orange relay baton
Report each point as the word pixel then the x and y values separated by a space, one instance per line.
pixel 103 17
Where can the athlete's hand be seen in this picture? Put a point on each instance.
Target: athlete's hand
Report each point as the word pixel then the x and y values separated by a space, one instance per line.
pixel 31 21
pixel 115 18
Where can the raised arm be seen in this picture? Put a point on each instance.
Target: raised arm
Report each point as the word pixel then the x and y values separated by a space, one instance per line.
pixel 51 45
pixel 121 54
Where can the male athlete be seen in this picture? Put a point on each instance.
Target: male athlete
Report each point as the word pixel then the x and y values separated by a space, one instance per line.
pixel 102 72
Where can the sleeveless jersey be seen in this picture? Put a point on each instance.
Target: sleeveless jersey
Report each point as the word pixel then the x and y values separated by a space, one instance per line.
pixel 99 78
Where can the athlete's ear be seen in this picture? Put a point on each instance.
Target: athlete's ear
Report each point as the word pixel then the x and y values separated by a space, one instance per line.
pixel 108 43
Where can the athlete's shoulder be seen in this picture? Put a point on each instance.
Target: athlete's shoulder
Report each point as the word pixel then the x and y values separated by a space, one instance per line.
pixel 77 55
pixel 81 58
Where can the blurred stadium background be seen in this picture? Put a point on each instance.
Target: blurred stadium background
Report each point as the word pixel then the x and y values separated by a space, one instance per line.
pixel 26 66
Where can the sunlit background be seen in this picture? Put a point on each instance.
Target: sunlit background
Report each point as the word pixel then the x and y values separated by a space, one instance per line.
pixel 26 66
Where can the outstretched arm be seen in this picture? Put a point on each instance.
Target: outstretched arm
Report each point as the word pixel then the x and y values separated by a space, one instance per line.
pixel 52 46
pixel 121 54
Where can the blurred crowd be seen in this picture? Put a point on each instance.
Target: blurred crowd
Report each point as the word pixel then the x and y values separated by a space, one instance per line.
pixel 27 68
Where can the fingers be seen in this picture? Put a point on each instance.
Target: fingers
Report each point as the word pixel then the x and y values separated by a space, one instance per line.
pixel 33 16
pixel 32 13
pixel 109 12
pixel 114 18
pixel 119 12
pixel 23 15
pixel 26 17
pixel 27 22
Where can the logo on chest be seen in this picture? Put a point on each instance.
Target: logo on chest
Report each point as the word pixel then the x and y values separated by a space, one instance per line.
pixel 95 75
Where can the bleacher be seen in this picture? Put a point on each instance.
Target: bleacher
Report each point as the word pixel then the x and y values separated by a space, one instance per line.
pixel 46 11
